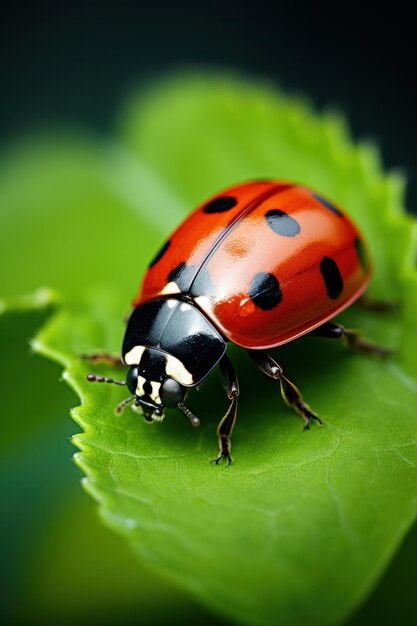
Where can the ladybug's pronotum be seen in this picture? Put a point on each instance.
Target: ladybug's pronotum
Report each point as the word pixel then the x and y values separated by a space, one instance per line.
pixel 258 265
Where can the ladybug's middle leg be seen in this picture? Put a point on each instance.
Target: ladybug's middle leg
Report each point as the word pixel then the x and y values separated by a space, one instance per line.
pixel 290 393
pixel 352 338
pixel 225 427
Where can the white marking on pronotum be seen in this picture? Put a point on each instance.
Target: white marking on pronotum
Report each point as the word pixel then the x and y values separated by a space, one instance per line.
pixel 155 391
pixel 184 306
pixel 171 288
pixel 134 356
pixel 139 386
pixel 177 370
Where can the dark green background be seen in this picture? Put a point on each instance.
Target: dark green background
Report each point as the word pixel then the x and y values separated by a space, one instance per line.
pixel 72 64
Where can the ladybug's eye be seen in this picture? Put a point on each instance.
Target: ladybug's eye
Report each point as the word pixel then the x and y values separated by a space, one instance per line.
pixel 132 379
pixel 171 393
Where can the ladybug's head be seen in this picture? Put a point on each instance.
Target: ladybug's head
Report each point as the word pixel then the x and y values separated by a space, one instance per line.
pixel 155 380
pixel 153 393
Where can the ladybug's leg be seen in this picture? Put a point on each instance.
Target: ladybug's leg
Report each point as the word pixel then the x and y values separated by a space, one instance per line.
pixel 378 306
pixel 352 338
pixel 104 358
pixel 291 395
pixel 225 427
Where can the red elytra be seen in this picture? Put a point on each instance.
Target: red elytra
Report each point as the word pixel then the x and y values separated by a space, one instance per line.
pixel 266 262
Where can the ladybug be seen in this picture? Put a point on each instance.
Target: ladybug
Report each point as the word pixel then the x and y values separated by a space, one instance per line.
pixel 258 265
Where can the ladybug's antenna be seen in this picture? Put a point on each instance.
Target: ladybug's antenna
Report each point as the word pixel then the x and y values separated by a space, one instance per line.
pixel 195 421
pixel 119 409
pixel 92 378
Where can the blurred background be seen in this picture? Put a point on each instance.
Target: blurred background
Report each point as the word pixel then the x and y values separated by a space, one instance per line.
pixel 70 65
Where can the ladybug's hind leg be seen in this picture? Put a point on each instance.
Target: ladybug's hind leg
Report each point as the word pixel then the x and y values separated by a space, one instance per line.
pixel 378 306
pixel 291 395
pixel 225 427
pixel 352 338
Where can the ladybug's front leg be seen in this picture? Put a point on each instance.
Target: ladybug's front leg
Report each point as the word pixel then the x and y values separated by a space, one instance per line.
pixel 291 395
pixel 352 338
pixel 225 427
pixel 104 358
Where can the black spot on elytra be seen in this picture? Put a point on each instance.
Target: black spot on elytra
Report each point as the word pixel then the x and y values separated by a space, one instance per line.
pixel 160 254
pixel 329 205
pixel 361 252
pixel 182 276
pixel 220 205
pixel 332 277
pixel 265 291
pixel 282 223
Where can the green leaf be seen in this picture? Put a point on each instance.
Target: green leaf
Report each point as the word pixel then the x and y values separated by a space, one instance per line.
pixel 396 589
pixel 302 526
